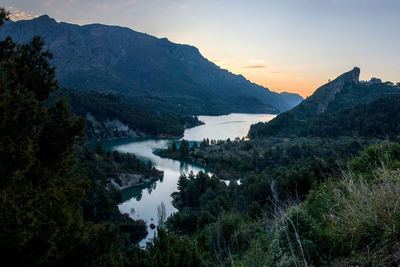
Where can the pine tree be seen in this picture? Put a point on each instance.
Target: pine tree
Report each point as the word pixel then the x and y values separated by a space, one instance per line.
pixel 184 147
pixel 41 222
pixel 173 147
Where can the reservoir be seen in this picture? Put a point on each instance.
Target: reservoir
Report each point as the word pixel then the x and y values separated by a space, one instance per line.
pixel 142 202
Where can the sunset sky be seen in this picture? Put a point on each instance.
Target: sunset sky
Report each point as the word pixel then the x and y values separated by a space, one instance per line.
pixel 285 45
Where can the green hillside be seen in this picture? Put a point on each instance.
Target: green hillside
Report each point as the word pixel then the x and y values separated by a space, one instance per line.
pixel 344 106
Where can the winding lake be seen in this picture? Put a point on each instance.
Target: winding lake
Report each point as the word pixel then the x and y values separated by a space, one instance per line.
pixel 142 202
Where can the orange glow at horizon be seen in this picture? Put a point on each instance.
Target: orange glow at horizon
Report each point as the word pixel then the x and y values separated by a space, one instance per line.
pixel 277 81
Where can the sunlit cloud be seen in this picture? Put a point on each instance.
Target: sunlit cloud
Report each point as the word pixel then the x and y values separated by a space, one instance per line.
pixel 16 14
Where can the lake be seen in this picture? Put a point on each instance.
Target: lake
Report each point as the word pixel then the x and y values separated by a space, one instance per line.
pixel 142 202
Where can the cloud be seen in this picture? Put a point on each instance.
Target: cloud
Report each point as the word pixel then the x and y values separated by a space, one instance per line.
pixel 255 67
pixel 275 72
pixel 16 14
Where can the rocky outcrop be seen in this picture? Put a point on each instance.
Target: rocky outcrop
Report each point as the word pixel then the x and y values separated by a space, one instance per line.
pixel 326 93
pixel 108 129
pixel 125 180
pixel 344 92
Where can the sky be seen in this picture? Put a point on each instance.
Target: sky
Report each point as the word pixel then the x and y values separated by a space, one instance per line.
pixel 285 45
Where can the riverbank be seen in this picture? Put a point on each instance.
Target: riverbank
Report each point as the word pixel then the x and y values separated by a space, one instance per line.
pixel 144 200
pixel 233 159
pixel 115 130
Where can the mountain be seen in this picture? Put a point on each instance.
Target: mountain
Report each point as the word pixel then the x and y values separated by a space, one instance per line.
pixel 151 73
pixel 291 99
pixel 329 110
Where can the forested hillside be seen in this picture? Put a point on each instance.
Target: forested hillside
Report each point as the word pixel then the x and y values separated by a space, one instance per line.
pixel 58 207
pixel 378 118
pixel 314 188
pixel 346 105
pixel 109 117
pixel 348 218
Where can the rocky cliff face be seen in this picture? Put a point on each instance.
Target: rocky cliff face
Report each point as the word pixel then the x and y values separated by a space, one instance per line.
pixel 326 93
pixel 125 180
pixel 108 129
pixel 344 92
pixel 152 73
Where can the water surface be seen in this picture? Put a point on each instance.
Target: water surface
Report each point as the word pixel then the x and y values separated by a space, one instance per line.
pixel 142 202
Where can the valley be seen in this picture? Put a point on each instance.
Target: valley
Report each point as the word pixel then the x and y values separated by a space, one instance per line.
pixel 119 148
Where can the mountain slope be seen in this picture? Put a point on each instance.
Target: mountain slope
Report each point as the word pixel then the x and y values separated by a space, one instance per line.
pixel 291 99
pixel 331 104
pixel 151 73
pixel 108 117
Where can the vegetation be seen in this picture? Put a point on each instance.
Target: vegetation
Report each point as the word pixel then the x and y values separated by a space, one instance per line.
pixel 350 218
pixel 100 167
pixel 358 110
pixel 378 118
pixel 152 74
pixel 299 201
pixel 107 107
pixel 289 202
pixel 44 188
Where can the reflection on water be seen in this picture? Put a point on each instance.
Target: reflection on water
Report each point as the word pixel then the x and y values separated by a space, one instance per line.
pixel 141 202
pixel 136 192
pixel 224 127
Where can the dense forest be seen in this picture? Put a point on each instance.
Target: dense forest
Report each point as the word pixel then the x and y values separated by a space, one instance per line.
pixel 109 117
pixel 58 207
pixel 316 188
pixel 291 201
pixel 337 109
pixel 349 218
pixel 378 118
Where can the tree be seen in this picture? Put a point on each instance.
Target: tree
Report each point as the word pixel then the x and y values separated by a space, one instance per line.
pixel 4 15
pixel 161 214
pixel 205 143
pixel 41 221
pixel 173 147
pixel 184 148
pixel 98 149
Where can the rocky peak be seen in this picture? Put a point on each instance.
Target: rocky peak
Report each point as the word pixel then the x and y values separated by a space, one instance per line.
pixel 326 93
pixel 352 76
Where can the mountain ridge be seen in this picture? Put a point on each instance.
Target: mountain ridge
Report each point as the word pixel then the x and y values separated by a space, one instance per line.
pixel 331 99
pixel 149 72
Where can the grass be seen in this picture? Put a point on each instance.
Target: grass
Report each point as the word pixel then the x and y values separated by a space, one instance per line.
pixel 352 220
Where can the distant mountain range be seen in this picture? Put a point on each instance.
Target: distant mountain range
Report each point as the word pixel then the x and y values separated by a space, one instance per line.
pixel 344 106
pixel 148 72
